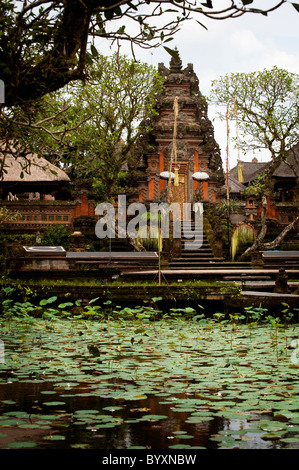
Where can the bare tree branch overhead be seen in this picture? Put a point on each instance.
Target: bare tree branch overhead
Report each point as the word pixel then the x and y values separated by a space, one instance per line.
pixel 46 44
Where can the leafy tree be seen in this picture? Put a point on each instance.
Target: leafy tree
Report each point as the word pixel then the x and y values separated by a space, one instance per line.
pixel 267 105
pixel 45 43
pixel 6 216
pixel 119 95
pixel 91 127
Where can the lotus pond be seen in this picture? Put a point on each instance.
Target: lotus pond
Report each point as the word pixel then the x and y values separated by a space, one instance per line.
pixel 164 383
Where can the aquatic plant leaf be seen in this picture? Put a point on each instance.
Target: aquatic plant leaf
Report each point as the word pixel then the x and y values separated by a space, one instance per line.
pixel 294 439
pixel 48 301
pixel 53 403
pixel 190 371
pixel 273 426
pixel 18 445
pixel 180 446
pixel 275 435
pixel 198 419
pixel 112 408
pixel 9 422
pixel 54 437
pixel 153 417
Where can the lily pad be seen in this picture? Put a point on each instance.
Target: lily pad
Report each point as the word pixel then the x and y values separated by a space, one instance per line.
pixel 54 437
pixel 10 422
pixel 19 445
pixel 48 417
pixel 273 426
pixel 180 446
pixel 54 403
pixel 112 408
pixel 198 419
pixel 153 417
pixel 106 425
pixel 273 436
pixel 17 414
pixel 181 373
pixel 291 439
pixel 86 412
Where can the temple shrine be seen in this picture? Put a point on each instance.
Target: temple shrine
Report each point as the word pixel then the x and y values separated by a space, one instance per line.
pixel 181 142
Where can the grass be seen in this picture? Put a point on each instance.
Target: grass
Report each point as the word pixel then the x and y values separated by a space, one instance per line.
pixel 117 283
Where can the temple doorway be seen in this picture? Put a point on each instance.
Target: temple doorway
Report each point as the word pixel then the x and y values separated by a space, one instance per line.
pixel 179 188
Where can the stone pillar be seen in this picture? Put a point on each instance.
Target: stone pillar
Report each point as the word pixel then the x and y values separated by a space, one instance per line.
pixel 153 177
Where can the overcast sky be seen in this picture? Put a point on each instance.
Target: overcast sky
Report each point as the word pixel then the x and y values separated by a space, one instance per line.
pixel 249 43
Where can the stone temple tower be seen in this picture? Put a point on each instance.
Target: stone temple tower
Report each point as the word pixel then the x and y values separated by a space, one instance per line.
pixel 195 147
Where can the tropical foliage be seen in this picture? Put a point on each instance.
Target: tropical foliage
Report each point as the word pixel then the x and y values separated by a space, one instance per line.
pixel 266 107
pixel 89 127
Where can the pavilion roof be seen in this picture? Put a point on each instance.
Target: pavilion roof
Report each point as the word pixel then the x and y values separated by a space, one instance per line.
pixel 31 169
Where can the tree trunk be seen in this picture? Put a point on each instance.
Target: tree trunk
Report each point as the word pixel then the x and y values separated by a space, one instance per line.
pixel 275 243
pixel 258 244
pixel 258 241
pixel 61 63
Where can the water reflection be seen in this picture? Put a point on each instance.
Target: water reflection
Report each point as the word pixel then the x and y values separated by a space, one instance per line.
pixel 61 426
pixel 183 386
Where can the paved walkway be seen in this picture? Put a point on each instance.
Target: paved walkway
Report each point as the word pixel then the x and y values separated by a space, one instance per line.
pixel 220 273
pixel 181 274
pixel 251 293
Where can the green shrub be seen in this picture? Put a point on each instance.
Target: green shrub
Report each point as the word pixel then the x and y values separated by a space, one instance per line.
pixel 56 235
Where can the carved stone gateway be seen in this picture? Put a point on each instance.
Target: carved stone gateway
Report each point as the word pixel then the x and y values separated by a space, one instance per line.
pixel 195 147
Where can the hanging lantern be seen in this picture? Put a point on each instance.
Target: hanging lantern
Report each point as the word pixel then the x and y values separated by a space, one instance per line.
pixel 200 176
pixel 165 175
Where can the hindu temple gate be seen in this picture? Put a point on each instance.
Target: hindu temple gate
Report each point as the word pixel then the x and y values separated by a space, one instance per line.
pixel 181 141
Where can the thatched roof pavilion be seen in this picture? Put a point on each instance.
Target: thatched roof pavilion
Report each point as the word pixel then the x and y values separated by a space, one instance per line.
pixel 31 174
pixel 32 169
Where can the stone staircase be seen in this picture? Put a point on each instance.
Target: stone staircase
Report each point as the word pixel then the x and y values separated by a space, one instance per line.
pixel 199 263
pixel 202 257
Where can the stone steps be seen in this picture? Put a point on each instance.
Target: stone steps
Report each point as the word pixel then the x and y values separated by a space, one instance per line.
pixel 202 258
pixel 192 257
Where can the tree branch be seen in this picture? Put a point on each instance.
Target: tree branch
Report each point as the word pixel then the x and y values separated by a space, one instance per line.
pixel 276 242
pixel 45 42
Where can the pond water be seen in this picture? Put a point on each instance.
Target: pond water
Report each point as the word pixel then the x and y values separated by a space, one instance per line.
pixel 70 384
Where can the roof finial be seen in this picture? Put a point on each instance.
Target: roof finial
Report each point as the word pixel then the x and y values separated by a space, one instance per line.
pixel 175 62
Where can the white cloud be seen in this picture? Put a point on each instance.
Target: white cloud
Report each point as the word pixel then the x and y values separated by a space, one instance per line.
pixel 281 59
pixel 244 41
